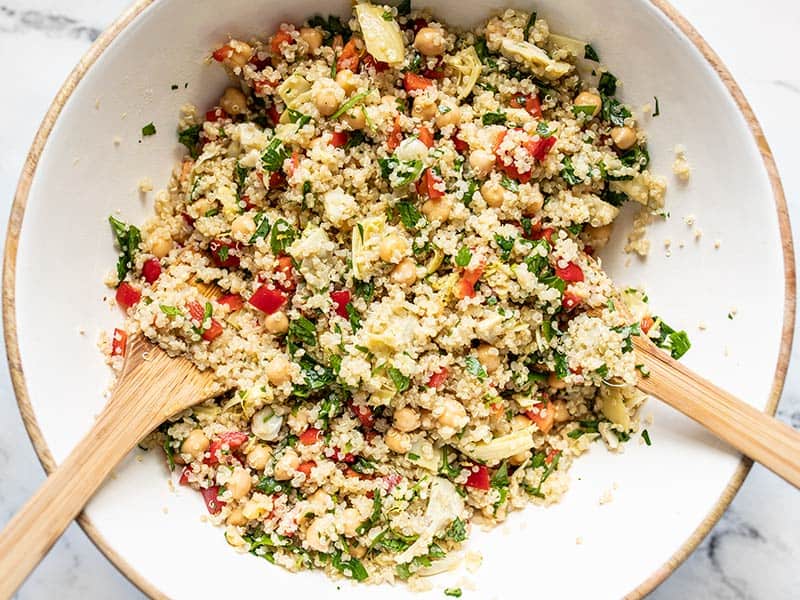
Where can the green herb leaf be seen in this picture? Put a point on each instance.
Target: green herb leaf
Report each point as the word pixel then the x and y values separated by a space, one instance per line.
pixel 302 331
pixel 269 485
pixel 190 137
pixel 353 316
pixel 614 111
pixel 457 531
pixel 657 110
pixel 170 452
pixel 636 156
pixel 646 437
pixel 562 368
pixel 445 468
pixel 453 592
pixel 357 99
pixel 170 311
pixel 607 84
pixel 298 117
pixel 350 568
pixel 409 214
pixel 587 111
pixel 128 239
pixel 262 227
pixel 470 193
pixel 274 155
pixel 589 53
pixel 568 171
pixel 401 382
pixel 377 504
pixel 509 184
pixel 364 289
pixel 148 130
pixel 482 50
pixel 506 245
pixel 317 377
pixel 400 173
pixel 493 118
pixel 528 26
pixel 677 342
pixel 463 257
pixel 474 367
pixel 283 234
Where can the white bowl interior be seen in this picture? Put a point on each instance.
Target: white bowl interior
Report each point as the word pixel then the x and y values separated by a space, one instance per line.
pixel 661 493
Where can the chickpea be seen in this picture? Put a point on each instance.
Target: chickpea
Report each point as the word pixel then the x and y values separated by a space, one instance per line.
pixel 623 137
pixel 242 53
pixel 589 99
pixel 392 249
pixel 277 323
pixel 397 441
pixel 327 99
pixel 239 483
pixel 429 41
pixel 278 370
pixel 560 411
pixel 347 81
pixel 351 519
pixel 287 465
pixel 236 517
pixel 406 419
pixel 312 37
pixel 195 444
pixel 319 502
pixel 437 210
pixel 554 382
pixel 489 356
pixel 449 117
pixel 355 118
pixel 316 538
pixel 405 273
pixel 482 162
pixel 520 458
pixel 597 237
pixel 493 193
pixel 243 227
pixel 520 422
pixel 160 243
pixel 423 108
pixel 358 551
pixel 532 201
pixel 233 101
pixel 454 415
pixel 258 457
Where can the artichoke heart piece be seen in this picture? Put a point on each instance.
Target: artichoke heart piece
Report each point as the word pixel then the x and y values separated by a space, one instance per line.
pixel 294 91
pixel 502 447
pixel 467 67
pixel 535 58
pixel 361 236
pixel 382 37
pixel 571 45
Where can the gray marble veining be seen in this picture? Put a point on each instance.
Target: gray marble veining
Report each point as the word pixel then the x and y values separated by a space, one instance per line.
pixel 753 551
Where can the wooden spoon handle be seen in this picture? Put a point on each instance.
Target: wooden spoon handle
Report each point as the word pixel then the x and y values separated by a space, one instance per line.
pixel 754 433
pixel 41 521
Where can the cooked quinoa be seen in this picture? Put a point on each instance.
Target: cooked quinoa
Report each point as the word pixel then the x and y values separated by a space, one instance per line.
pixel 412 333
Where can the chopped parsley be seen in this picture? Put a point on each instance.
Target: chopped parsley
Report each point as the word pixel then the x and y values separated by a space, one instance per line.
pixel 457 531
pixel 128 239
pixel 400 173
pixel 482 50
pixel 657 110
pixel 364 289
pixel 588 426
pixel 509 184
pixel 190 137
pixel 493 118
pixel 349 568
pixel 506 245
pixel 148 130
pixel 562 370
pixel 262 227
pixel 528 26
pixel 474 367
pixel 377 504
pixel 170 311
pixel 463 257
pixel 568 171
pixel 274 155
pixel 408 213
pixel 302 331
pixel 636 156
pixel 283 234
pixel 357 99
pixel 401 382
pixel 331 26
pixel 677 342
pixel 453 592
pixel 607 84
pixel 298 117
pixel 470 193
pixel 353 316
pixel 589 53
pixel 646 437
pixel 614 111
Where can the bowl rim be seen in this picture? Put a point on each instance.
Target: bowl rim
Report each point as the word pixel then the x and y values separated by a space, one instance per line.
pixel 18 212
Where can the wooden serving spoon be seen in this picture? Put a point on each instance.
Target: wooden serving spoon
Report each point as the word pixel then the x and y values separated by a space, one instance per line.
pixel 152 387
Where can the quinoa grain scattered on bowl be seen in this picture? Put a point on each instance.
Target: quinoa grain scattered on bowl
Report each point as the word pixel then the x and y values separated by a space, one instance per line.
pixel 413 332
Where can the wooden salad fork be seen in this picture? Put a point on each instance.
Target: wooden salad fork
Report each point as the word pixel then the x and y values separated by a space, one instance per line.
pixel 153 386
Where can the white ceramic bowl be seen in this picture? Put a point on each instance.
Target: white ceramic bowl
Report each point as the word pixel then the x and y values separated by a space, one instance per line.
pixel 666 497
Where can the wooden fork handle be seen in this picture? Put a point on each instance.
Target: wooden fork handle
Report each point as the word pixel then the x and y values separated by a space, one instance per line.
pixel 752 432
pixel 34 529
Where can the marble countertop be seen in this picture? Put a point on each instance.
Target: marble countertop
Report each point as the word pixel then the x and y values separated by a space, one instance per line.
pixel 751 553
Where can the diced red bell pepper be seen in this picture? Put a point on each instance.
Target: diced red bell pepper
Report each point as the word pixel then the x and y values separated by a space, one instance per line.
pixel 340 300
pixel 418 24
pixel 197 312
pixel 305 467
pixel 213 332
pixel 339 139
pixel 259 63
pixel 345 457
pixel 222 53
pixel 426 137
pixel 364 414
pixel 349 58
pixel 310 436
pixel 369 61
pixel 479 479
pixel 466 285
pixel 437 379
pixel 277 180
pixel 396 135
pixel 537 233
pixel 234 302
pixel 285 266
pixel 151 270
pixel 294 163
pixel 119 342
pixel 570 301
pixel 185 472
pixel 280 38
pixel 429 185
pixel 645 325
pixel 551 456
pixel 232 439
pixel 274 115
pixel 223 253
pixel 571 273
pixel 412 82
pixel 539 149
pixel 127 295
pixel 533 106
pixel 543 415
pixel 434 74
pixel 216 114
pixel 267 300
pixel 213 504
pixel 509 169
pixel 462 147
